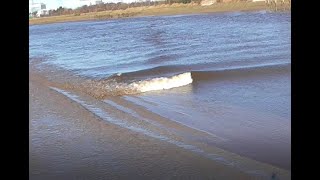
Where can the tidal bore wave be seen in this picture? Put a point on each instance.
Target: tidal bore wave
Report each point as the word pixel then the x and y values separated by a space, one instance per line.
pixel 167 77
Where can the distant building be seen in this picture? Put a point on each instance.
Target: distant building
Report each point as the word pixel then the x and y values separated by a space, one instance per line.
pixel 135 1
pixel 208 2
pixel 37 9
pixel 99 2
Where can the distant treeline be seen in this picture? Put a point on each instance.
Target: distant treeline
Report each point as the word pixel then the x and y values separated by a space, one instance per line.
pixel 111 6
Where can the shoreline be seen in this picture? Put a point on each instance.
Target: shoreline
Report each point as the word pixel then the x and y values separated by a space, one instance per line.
pixel 160 10
pixel 65 138
pixel 65 135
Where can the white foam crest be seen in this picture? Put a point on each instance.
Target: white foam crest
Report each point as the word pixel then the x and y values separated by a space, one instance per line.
pixel 163 82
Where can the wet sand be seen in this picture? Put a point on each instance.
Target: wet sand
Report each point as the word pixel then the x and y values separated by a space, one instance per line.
pixel 69 142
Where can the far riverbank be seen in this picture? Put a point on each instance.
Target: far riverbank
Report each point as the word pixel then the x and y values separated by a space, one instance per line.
pixel 174 9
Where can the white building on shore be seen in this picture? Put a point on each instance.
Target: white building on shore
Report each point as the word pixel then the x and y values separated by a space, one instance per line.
pixel 39 8
pixel 208 2
pixel 126 1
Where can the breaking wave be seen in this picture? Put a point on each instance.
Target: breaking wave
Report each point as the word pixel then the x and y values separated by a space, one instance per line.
pixel 163 83
pixel 163 77
pixel 113 87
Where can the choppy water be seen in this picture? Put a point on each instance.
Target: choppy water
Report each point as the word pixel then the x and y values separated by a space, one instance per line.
pixel 226 74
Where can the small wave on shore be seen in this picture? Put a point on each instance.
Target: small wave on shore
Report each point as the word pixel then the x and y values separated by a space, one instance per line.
pixel 163 82
pixel 112 86
pixel 163 78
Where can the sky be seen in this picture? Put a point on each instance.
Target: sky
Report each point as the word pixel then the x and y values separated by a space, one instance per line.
pixel 54 4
